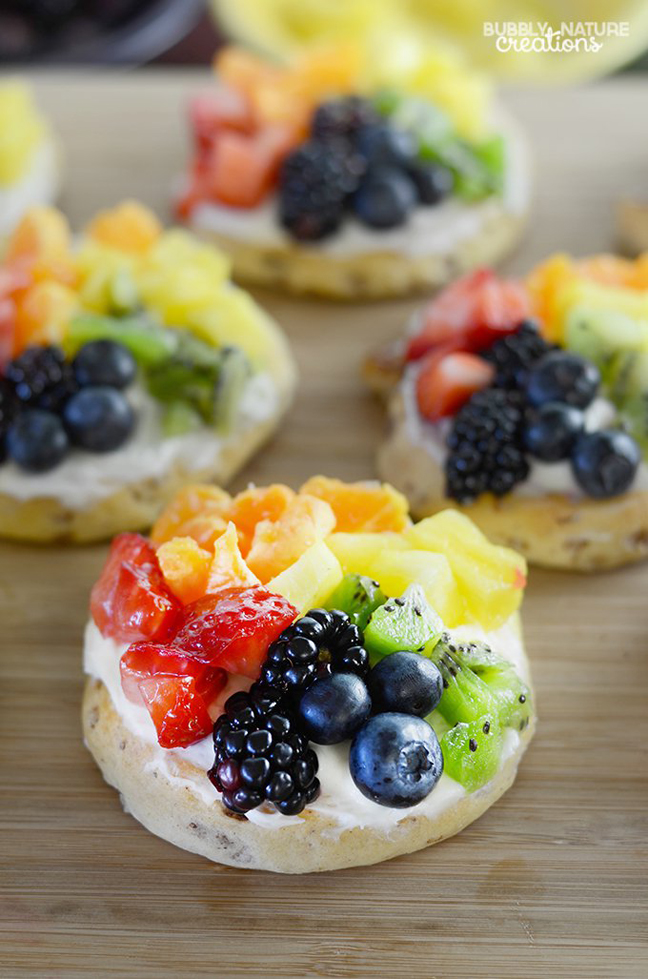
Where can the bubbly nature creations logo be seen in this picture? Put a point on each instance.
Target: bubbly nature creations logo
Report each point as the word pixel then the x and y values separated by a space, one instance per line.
pixel 542 36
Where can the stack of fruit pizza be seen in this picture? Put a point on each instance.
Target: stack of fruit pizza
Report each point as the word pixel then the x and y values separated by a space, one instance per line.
pixel 525 404
pixel 320 177
pixel 129 364
pixel 306 681
pixel 29 166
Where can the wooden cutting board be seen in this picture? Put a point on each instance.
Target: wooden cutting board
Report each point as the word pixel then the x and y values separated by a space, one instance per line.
pixel 551 881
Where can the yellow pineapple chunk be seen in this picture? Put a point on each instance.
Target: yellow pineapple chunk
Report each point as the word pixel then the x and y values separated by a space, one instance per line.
pixel 227 568
pixel 310 580
pixel 395 570
pixel 491 578
pixel 185 566
pixel 358 552
pixel 278 544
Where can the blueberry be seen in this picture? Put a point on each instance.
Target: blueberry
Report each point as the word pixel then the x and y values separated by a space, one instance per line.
pixel 333 708
pixel 99 419
pixel 104 362
pixel 385 198
pixel 382 145
pixel 552 431
pixel 37 441
pixel 395 760
pixel 605 463
pixel 433 182
pixel 563 376
pixel 405 682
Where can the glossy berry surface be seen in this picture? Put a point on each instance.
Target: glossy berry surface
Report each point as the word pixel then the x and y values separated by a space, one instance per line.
pixel 514 355
pixel 260 756
pixel 343 118
pixel 41 378
pixel 433 183
pixel 233 629
pixel 318 644
pixel 98 419
pixel 383 145
pixel 563 376
pixel 486 446
pixel 176 690
pixel 104 362
pixel 333 708
pixel 605 463
pixel 551 431
pixel 395 760
pixel 385 198
pixel 315 181
pixel 36 440
pixel 130 601
pixel 406 683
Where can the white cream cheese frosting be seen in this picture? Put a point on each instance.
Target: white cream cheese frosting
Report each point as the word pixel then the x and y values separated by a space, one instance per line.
pixel 38 185
pixel 429 230
pixel 85 478
pixel 340 800
pixel 543 478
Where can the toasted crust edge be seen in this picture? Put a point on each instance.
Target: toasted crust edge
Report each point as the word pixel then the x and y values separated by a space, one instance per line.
pixel 174 812
pixel 47 520
pixel 552 531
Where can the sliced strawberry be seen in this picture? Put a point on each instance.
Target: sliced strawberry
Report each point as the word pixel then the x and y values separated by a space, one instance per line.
pixel 212 112
pixel 178 712
pixel 176 689
pixel 473 312
pixel 7 329
pixel 240 174
pixel 131 601
pixel 445 383
pixel 234 628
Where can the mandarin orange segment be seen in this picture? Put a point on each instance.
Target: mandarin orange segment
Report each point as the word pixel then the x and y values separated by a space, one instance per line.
pixel 256 504
pixel 278 544
pixel 608 270
pixel 130 227
pixel 43 233
pixel 43 313
pixel 199 502
pixel 244 71
pixel 546 285
pixel 361 507
pixel 185 566
pixel 227 568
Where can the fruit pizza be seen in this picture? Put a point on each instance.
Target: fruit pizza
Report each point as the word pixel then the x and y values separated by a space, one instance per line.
pixel 306 681
pixel 29 159
pixel 129 365
pixel 337 176
pixel 525 404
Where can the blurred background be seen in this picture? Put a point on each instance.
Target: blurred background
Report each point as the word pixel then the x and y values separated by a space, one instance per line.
pixel 187 32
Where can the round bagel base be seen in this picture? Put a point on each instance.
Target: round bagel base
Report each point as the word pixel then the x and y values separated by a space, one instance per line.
pixel 174 812
pixel 365 276
pixel 552 531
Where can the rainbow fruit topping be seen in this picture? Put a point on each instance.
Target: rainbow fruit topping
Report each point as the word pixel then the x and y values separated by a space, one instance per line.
pixel 283 597
pixel 80 323
pixel 521 372
pixel 326 140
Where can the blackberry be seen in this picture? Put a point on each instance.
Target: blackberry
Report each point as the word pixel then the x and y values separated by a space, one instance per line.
pixel 42 378
pixel 316 182
pixel 343 118
pixel 515 354
pixel 261 756
pixel 486 445
pixel 314 646
pixel 8 410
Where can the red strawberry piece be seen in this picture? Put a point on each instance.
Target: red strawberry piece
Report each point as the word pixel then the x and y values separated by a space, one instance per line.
pixel 7 329
pixel 473 312
pixel 240 171
pixel 212 112
pixel 176 689
pixel 131 601
pixel 446 382
pixel 234 628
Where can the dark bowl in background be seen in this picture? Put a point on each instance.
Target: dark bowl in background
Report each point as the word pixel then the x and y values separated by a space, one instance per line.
pixel 100 32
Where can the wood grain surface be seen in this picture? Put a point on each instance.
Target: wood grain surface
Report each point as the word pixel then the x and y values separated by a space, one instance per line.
pixel 550 882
